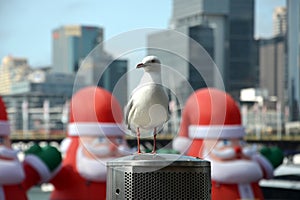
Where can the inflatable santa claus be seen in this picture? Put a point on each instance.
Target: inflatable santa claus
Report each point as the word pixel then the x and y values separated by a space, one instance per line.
pixel 11 171
pixel 17 177
pixel 95 136
pixel 212 129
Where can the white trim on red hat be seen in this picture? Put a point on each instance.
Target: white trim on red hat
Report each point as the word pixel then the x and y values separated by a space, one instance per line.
pixel 95 129
pixel 4 128
pixel 216 131
pixel 181 144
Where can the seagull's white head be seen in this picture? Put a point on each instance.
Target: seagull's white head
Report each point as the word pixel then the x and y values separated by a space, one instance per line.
pixel 150 63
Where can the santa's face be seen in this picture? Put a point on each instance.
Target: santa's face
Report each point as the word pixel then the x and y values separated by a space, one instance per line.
pixel 234 157
pixel 229 149
pixel 11 171
pixel 94 152
pixel 103 147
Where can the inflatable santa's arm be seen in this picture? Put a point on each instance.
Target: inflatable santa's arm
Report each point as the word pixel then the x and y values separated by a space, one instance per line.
pixel 269 158
pixel 40 164
pixel 265 165
pixel 64 177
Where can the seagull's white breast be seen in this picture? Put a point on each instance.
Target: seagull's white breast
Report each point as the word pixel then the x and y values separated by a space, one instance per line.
pixel 149 107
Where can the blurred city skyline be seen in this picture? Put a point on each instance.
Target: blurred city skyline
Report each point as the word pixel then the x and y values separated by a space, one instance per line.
pixel 26 26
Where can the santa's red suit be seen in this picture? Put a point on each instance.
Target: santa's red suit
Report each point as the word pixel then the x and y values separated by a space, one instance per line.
pixel 95 136
pixel 211 129
pixel 17 177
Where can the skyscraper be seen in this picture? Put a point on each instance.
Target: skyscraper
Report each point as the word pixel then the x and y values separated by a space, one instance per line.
pixel 100 68
pixel 293 59
pixel 114 79
pixel 12 70
pixel 203 22
pixel 71 44
pixel 242 69
pixel 226 31
pixel 279 21
pixel 272 67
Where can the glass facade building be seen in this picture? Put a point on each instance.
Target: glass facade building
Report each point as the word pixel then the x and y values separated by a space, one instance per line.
pixel 242 69
pixel 72 44
pixel 114 79
pixel 272 62
pixel 204 35
pixel 203 23
pixel 228 37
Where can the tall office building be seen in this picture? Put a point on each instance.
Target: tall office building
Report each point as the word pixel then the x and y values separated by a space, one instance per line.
pixel 225 30
pixel 203 22
pixel 273 71
pixel 242 64
pixel 279 21
pixel 206 13
pixel 114 79
pixel 12 70
pixel 100 68
pixel 71 44
pixel 293 52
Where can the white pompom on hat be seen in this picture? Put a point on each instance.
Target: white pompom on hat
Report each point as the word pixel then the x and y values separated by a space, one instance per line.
pixel 4 123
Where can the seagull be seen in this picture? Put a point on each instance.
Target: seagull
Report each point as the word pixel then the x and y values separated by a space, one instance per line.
pixel 147 108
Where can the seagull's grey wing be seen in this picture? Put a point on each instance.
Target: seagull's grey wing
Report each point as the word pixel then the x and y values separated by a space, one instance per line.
pixel 169 113
pixel 128 108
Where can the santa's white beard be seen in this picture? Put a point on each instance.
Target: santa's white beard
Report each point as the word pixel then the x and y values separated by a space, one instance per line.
pixel 230 153
pixel 102 150
pixel 236 171
pixel 91 169
pixel 11 171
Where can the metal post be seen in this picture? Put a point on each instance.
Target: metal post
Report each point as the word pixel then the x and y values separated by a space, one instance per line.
pixel 25 117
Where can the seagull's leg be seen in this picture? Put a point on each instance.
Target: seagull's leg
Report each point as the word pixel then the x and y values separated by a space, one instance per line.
pixel 154 141
pixel 138 139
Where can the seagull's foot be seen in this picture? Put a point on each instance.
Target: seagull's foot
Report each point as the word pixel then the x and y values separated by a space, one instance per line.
pixel 154 142
pixel 138 140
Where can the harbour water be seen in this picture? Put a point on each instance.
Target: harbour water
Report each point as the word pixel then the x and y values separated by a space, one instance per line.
pixel 36 193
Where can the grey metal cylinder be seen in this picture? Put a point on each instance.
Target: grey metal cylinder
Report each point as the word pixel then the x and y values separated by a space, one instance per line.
pixel 158 176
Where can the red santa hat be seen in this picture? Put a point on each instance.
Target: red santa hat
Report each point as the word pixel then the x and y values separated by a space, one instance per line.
pixel 209 113
pixel 219 116
pixel 95 112
pixel 4 123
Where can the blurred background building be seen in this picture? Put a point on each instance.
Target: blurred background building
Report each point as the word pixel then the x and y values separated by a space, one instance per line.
pixel 34 96
pixel 37 97
pixel 226 32
pixel 280 21
pixel 71 44
pixel 240 63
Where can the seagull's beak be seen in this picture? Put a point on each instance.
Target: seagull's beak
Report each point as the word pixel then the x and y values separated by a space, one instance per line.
pixel 140 65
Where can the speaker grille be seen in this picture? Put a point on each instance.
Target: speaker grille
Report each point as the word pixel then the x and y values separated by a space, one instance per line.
pixel 167 185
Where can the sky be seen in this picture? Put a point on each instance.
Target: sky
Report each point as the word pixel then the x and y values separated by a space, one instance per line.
pixel 26 26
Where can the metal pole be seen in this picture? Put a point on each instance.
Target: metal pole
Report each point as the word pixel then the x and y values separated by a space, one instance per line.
pixel 25 117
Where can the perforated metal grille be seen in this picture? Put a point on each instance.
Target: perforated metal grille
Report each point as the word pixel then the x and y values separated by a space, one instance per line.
pixel 167 185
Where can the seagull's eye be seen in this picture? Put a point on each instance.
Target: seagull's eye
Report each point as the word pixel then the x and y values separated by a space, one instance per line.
pixel 153 61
